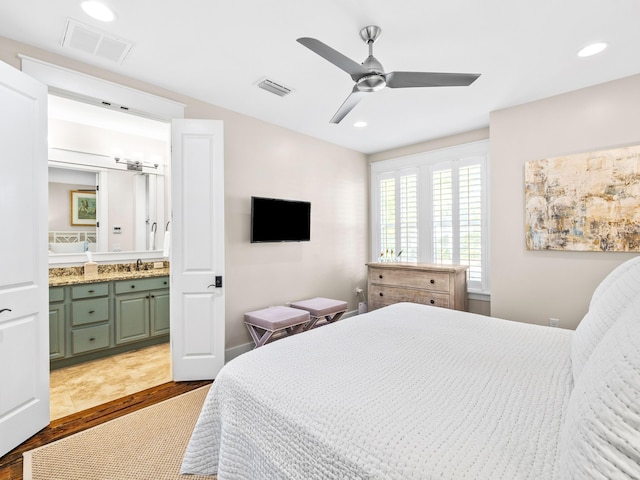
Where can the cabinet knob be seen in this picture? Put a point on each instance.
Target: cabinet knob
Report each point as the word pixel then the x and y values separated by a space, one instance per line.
pixel 133 286
pixel 432 301
pixel 148 296
pixel 92 339
pixel 380 276
pixel 432 281
pixel 165 282
pixel 381 294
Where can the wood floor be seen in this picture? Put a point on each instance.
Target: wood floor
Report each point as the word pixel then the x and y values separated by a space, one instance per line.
pixel 11 463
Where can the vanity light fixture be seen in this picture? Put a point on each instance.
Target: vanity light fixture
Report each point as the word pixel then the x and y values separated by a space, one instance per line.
pixel 592 49
pixel 360 124
pixel 135 165
pixel 98 11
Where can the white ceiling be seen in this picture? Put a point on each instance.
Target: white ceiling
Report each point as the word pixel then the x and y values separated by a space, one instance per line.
pixel 217 52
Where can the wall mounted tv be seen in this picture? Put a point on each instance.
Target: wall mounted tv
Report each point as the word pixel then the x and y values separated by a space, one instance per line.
pixel 277 220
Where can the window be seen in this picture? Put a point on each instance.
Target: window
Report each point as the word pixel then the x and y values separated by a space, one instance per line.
pixel 431 208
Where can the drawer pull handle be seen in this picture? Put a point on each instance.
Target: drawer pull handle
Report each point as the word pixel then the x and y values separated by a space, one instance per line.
pixel 432 281
pixel 92 339
pixel 380 276
pixel 432 301
pixel 91 291
pixel 91 311
pixel 381 294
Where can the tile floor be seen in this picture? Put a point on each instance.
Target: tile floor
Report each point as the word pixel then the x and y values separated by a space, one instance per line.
pixel 92 383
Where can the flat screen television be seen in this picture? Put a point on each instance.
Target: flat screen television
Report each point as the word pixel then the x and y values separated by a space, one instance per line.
pixel 277 220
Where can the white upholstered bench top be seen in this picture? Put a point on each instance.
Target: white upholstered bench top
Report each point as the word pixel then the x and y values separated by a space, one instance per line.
pixel 319 306
pixel 276 318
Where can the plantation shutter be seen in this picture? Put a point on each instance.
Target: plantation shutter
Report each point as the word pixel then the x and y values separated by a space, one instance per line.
pixel 470 214
pixel 398 207
pixel 408 244
pixel 442 216
pixel 387 215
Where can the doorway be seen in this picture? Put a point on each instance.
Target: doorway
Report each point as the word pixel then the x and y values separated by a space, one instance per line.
pixel 91 132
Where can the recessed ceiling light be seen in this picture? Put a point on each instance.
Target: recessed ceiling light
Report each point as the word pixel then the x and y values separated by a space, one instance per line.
pixel 592 49
pixel 360 124
pixel 98 10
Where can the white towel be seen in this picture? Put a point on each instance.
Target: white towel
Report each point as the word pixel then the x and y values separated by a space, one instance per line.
pixel 167 244
pixel 152 240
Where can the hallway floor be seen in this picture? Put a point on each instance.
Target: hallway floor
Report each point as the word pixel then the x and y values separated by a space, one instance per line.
pixel 86 385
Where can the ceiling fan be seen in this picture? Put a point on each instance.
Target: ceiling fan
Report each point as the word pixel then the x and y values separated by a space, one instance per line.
pixel 370 77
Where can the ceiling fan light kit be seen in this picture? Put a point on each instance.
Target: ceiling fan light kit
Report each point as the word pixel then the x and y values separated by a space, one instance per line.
pixel 370 76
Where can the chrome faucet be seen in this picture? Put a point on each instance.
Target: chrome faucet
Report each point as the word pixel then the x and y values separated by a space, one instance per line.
pixel 138 264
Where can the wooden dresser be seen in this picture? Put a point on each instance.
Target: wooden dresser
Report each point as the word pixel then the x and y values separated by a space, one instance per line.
pixel 439 285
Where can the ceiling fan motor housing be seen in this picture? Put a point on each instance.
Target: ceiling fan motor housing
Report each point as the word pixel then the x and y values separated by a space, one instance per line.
pixel 371 83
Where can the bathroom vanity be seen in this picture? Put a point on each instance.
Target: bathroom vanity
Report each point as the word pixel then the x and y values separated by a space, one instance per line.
pixel 126 307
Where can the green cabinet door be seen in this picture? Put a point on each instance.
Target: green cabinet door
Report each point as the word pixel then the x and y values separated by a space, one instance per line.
pixel 132 317
pixel 159 303
pixel 56 331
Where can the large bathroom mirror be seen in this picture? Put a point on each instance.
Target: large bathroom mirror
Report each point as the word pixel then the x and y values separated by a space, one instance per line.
pixel 108 183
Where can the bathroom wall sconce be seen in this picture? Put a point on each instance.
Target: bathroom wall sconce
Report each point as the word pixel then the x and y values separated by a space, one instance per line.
pixel 135 165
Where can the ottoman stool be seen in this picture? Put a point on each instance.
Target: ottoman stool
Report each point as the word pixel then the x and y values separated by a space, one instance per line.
pixel 262 324
pixel 320 307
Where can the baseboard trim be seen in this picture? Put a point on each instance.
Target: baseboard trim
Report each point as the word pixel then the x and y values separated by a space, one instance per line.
pixel 233 352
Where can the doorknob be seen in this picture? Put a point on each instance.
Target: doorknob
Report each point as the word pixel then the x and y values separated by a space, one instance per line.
pixel 218 283
pixel 5 310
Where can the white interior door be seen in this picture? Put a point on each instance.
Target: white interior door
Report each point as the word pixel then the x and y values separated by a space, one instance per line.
pixel 197 249
pixel 24 296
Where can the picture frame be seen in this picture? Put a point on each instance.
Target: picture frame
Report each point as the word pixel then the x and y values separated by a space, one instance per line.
pixel 83 207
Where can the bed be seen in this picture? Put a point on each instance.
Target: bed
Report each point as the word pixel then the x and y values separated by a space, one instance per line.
pixel 418 392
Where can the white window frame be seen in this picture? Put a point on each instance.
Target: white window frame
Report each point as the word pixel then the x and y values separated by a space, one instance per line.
pixel 425 164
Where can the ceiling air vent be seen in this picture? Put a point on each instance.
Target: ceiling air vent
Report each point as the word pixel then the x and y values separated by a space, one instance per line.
pixel 94 42
pixel 274 87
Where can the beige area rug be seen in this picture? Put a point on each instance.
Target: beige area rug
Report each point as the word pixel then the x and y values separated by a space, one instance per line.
pixel 144 445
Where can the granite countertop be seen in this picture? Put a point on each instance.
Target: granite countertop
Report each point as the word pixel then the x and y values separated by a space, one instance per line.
pixel 125 271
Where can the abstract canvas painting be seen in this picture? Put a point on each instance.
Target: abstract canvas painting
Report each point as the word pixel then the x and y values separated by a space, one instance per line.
pixel 586 202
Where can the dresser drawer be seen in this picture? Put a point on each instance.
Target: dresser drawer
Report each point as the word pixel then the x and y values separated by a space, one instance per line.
pixel 385 295
pixel 56 294
pixel 89 311
pixel 128 286
pixel 89 290
pixel 90 338
pixel 435 281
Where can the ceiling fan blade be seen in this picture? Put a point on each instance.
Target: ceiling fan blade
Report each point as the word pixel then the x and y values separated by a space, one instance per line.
pixel 339 60
pixel 352 100
pixel 429 79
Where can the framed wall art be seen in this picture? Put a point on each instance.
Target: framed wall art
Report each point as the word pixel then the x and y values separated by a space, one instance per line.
pixel 83 207
pixel 584 202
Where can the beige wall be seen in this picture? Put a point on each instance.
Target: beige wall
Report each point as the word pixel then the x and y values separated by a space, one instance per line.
pixel 263 159
pixel 436 144
pixel 533 286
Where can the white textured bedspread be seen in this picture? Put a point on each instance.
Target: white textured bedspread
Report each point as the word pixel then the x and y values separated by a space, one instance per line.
pixel 404 392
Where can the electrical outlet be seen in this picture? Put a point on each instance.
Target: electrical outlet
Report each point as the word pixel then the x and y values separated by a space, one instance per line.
pixel 554 322
pixel 358 291
pixel 158 264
